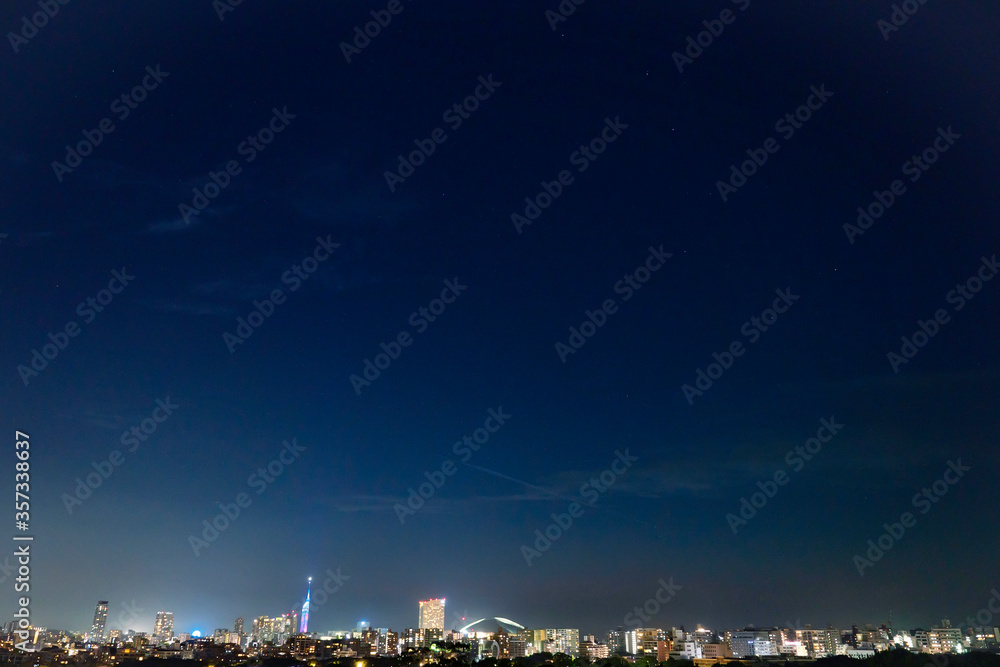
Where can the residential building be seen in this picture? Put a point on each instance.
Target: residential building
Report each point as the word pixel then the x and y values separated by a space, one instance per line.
pixel 100 619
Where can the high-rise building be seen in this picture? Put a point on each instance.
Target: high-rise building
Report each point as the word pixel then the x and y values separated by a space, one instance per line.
pixel 945 638
pixel 100 619
pixel 304 619
pixel 565 640
pixel 261 629
pixel 616 641
pixel 163 627
pixel 431 614
pixel 370 638
pixel 502 638
pixel 388 643
pixel 632 645
pixel 275 630
pixel 238 625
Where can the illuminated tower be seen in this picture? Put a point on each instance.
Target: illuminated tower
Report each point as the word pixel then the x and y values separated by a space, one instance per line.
pixel 304 621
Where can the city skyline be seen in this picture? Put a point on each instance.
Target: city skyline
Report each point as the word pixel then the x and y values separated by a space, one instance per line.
pixel 460 622
pixel 277 637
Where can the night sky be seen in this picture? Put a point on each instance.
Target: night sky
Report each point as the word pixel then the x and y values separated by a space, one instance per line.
pixel 631 150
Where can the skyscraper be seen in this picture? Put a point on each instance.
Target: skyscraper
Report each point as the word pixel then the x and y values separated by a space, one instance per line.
pixel 565 640
pixel 238 626
pixel 163 627
pixel 432 614
pixel 100 619
pixel 304 620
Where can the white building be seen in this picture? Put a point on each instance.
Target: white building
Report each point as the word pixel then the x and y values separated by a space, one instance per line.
pixel 687 650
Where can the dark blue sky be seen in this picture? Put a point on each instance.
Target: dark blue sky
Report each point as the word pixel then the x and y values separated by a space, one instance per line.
pixel 517 290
